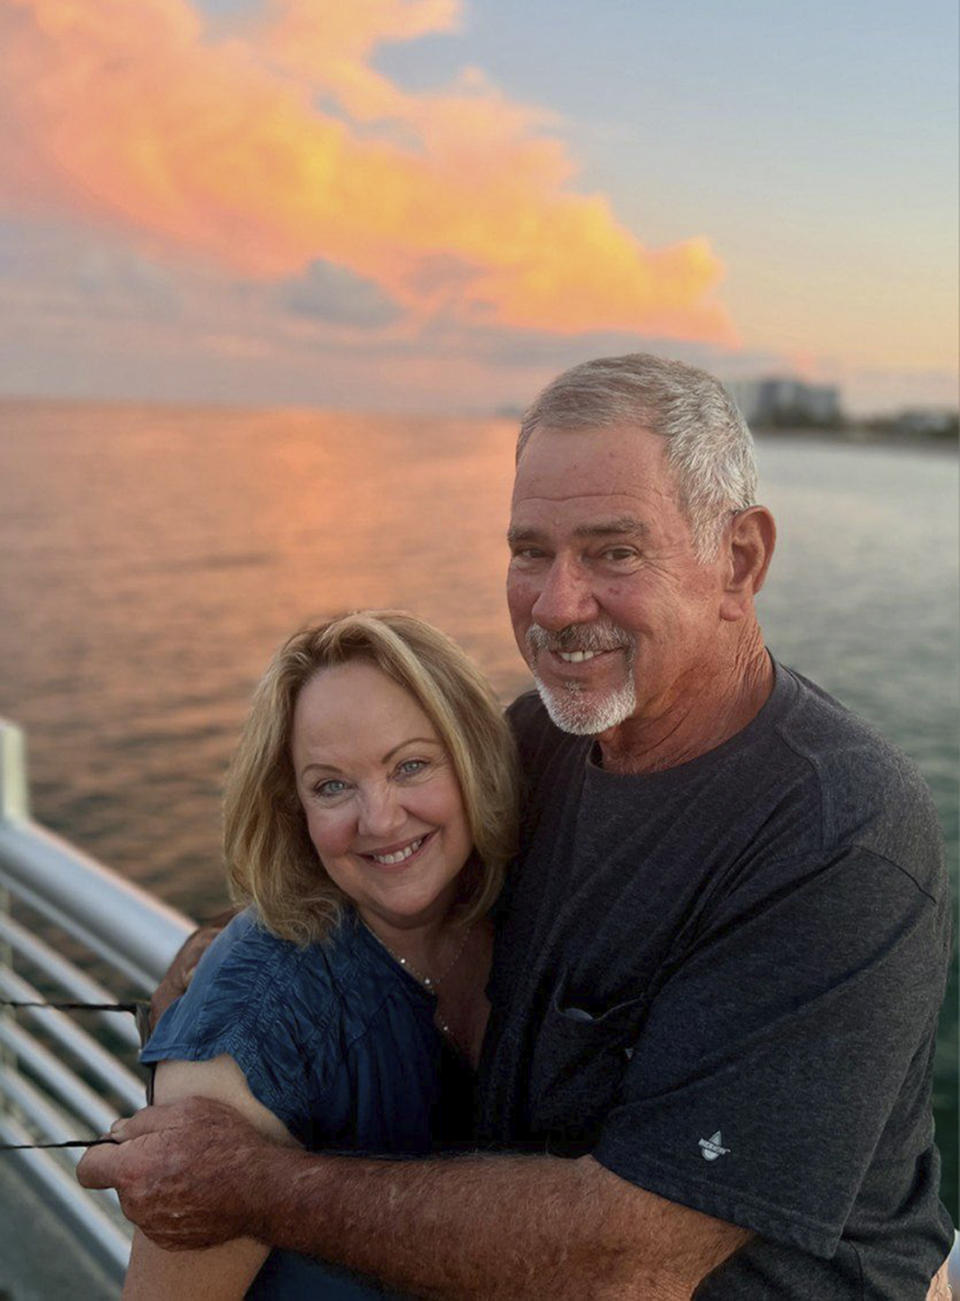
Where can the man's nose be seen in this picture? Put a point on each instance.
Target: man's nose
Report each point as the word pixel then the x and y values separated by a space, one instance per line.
pixel 565 597
pixel 381 811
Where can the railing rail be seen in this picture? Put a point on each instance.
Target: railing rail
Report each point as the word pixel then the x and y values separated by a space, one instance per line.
pixel 62 912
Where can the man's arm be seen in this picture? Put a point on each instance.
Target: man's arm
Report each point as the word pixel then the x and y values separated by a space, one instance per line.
pixel 181 969
pixel 500 1226
pixel 940 1285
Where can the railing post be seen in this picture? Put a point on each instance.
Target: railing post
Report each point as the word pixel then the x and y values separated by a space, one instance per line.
pixel 14 803
pixel 14 793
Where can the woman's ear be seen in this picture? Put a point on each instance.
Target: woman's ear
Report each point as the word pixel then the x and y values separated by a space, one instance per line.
pixel 749 548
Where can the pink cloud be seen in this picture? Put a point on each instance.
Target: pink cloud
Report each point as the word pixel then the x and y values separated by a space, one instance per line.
pixel 136 118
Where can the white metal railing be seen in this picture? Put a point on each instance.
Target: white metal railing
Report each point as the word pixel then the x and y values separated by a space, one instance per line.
pixel 57 1080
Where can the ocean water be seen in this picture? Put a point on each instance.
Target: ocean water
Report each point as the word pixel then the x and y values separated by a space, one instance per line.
pixel 152 557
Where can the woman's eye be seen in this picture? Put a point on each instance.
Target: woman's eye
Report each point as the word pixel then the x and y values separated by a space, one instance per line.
pixel 410 767
pixel 329 790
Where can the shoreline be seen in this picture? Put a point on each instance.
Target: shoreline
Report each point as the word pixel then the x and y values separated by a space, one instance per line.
pixel 863 438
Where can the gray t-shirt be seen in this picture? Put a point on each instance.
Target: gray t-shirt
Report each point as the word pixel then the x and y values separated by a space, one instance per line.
pixel 723 980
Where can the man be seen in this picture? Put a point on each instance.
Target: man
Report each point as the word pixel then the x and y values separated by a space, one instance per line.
pixel 720 958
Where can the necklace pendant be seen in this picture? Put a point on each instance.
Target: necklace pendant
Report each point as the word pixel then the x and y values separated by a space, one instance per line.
pixel 428 982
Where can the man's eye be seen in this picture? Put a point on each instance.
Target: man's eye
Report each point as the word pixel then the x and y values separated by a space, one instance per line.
pixel 618 555
pixel 528 553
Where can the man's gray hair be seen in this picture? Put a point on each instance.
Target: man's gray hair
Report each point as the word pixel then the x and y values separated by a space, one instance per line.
pixel 709 448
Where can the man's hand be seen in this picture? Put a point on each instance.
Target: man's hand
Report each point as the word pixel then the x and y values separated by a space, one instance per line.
pixel 940 1287
pixel 189 1174
pixel 184 964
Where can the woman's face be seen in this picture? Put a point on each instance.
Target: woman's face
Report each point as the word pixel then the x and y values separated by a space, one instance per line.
pixel 381 798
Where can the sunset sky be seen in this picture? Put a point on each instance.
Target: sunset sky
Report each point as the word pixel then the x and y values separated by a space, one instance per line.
pixel 437 204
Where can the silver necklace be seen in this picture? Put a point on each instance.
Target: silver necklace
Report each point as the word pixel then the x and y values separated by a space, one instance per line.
pixel 430 983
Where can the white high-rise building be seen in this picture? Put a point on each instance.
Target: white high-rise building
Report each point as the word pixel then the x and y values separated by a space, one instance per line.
pixel 780 401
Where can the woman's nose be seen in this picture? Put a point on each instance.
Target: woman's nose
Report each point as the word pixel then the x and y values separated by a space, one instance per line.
pixel 381 811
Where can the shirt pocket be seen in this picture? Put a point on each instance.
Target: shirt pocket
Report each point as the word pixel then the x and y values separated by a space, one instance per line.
pixel 578 1063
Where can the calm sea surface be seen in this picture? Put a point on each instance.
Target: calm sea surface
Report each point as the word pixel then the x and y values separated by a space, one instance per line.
pixel 152 557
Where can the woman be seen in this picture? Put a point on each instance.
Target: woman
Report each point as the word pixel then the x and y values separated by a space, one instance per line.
pixel 369 816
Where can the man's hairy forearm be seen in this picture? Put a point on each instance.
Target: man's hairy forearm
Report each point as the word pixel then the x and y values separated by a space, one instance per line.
pixel 195 1173
pixel 495 1226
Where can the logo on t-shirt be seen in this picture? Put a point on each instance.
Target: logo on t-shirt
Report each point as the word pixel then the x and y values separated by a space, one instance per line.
pixel 712 1147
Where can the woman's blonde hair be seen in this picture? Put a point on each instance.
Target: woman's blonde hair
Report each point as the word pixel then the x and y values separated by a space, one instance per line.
pixel 270 859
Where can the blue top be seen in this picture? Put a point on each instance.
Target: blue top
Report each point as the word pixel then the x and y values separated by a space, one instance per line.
pixel 336 1039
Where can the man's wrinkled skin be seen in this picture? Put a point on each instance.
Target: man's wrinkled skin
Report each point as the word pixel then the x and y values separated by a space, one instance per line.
pixel 191 1148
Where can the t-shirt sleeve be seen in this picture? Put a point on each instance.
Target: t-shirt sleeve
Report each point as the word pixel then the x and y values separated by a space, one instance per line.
pixel 772 1057
pixel 255 1006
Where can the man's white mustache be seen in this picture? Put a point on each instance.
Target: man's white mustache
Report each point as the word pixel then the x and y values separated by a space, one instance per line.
pixel 579 637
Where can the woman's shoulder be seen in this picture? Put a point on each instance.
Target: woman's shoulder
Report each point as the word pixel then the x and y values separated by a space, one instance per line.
pixel 246 989
pixel 253 989
pixel 248 950
pixel 274 1007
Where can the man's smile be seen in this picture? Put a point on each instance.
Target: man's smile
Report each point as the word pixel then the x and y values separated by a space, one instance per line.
pixel 561 662
pixel 567 652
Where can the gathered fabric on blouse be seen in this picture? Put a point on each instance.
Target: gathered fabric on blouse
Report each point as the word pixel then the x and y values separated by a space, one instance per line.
pixel 339 1042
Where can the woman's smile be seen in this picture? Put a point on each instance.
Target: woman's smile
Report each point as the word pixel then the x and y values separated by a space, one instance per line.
pixel 398 856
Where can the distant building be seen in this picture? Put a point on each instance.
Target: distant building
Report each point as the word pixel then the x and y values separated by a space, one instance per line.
pixel 786 402
pixel 938 422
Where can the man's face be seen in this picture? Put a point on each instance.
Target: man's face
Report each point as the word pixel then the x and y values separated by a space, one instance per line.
pixel 610 607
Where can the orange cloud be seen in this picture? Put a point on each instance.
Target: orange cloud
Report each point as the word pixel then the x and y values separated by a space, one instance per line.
pixel 140 116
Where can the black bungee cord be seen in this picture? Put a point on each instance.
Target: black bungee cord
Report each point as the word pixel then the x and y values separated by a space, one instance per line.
pixel 140 1010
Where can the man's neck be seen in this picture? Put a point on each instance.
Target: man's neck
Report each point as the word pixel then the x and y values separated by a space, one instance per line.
pixel 698 720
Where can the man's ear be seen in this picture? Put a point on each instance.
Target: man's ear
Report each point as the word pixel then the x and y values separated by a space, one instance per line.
pixel 748 549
